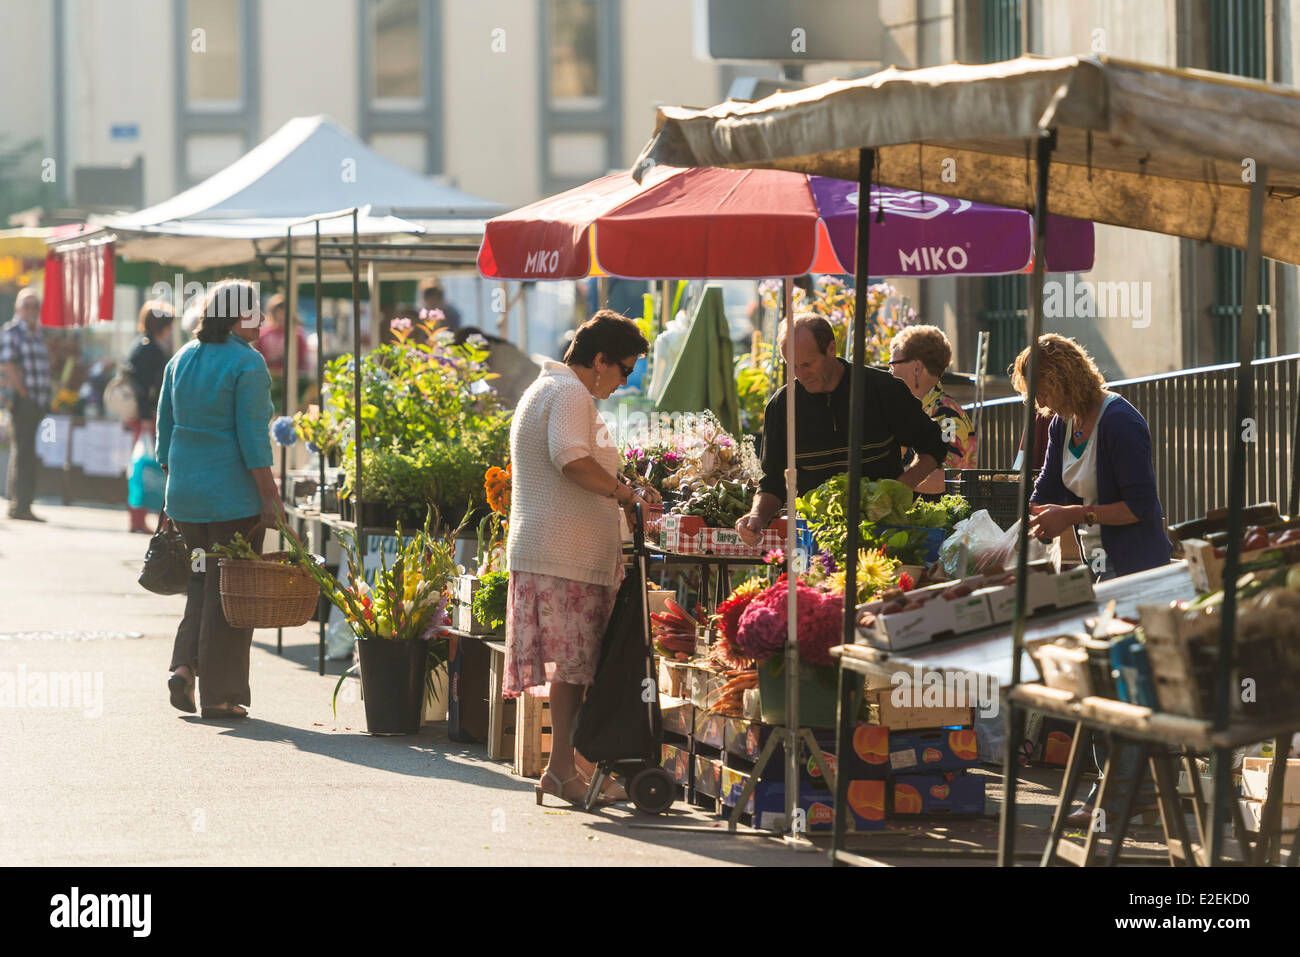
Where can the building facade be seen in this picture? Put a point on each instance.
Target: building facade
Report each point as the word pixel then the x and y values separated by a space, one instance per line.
pixel 517 99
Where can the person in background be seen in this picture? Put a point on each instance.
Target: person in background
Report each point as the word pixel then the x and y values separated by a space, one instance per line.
pixel 25 367
pixel 271 342
pixel 564 548
pixel 892 420
pixel 434 297
pixel 920 355
pixel 215 448
pixel 1097 474
pixel 144 367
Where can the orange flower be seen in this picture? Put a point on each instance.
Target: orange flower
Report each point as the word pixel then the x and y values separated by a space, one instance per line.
pixel 496 484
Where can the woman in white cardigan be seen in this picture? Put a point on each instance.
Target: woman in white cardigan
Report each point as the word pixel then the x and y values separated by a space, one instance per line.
pixel 564 550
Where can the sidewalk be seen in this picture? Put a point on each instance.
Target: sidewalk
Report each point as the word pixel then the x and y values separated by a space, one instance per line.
pixel 127 780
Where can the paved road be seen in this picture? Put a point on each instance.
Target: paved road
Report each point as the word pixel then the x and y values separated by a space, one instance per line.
pixel 119 777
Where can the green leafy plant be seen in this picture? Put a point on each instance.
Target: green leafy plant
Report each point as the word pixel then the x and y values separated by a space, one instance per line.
pixel 490 599
pixel 755 382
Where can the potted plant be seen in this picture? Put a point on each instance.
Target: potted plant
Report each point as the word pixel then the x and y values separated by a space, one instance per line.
pixel 399 619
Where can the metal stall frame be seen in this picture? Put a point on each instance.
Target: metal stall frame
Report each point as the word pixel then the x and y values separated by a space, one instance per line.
pixel 349 254
pixel 1117 138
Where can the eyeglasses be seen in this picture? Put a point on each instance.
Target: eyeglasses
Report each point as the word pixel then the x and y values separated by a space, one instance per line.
pixel 898 362
pixel 627 371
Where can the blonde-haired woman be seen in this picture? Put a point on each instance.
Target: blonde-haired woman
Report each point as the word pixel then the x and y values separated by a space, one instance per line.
pixel 1098 472
pixel 920 355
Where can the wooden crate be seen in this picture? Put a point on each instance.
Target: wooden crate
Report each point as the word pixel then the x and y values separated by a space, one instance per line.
pixel 884 712
pixel 532 735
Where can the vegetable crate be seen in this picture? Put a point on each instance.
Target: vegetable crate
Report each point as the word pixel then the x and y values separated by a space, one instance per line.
pixel 688 535
pixel 532 735
pixel 1184 661
pixel 1206 566
pixel 994 490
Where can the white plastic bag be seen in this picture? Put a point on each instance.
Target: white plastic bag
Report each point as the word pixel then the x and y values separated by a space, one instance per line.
pixel 988 548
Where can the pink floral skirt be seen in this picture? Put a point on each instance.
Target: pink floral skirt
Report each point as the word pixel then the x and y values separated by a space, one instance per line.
pixel 553 631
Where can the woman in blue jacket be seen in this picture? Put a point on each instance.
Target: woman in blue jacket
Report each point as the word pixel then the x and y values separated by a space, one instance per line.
pixel 214 445
pixel 1098 482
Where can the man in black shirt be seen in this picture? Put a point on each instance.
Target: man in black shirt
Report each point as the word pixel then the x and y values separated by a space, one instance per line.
pixel 893 420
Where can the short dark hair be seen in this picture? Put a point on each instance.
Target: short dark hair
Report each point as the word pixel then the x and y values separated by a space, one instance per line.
pixel 226 303
pixel 606 332
pixel 820 329
pixel 155 316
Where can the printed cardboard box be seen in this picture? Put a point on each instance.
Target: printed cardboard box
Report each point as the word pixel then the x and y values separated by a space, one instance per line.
pixel 708 776
pixel 937 794
pixel 677 714
pixel 868 757
pixel 1253 813
pixel 709 729
pixel 745 739
pixel 923 751
pixel 677 762
pixel 767 805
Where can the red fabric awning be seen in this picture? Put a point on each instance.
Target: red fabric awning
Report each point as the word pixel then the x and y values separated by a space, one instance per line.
pixel 78 285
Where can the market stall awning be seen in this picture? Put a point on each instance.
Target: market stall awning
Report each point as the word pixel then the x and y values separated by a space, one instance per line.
pixel 1172 151
pixel 308 167
pixel 702 223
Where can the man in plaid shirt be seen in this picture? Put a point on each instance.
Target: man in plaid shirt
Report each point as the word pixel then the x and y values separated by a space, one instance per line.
pixel 25 368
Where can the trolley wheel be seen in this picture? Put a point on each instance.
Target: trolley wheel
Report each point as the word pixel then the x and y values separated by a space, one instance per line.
pixel 652 790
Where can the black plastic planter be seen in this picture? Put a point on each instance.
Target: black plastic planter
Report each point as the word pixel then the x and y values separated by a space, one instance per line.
pixel 392 683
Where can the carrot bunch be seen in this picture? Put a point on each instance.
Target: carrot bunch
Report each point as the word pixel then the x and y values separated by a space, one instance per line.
pixel 731 696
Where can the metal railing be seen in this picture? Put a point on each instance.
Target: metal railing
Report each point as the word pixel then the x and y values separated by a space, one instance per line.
pixel 1189 414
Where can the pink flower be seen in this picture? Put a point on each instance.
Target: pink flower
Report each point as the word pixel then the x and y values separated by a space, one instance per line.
pixel 400 325
pixel 433 315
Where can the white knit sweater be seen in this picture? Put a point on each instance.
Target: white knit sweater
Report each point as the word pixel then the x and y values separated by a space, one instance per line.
pixel 557 528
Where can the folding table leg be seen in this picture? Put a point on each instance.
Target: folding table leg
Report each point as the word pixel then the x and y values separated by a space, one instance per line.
pixel 1130 801
pixel 1270 826
pixel 1073 771
pixel 1172 820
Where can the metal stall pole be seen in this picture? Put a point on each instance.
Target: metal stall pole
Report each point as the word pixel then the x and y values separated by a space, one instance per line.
pixel 794 833
pixel 1015 716
pixel 284 399
pixel 356 389
pixel 320 404
pixel 847 714
pixel 1220 797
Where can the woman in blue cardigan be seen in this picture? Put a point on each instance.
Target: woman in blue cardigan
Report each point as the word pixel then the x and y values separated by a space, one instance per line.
pixel 1098 482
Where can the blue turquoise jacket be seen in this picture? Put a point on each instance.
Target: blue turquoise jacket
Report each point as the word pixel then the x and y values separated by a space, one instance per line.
pixel 213 415
pixel 1124 474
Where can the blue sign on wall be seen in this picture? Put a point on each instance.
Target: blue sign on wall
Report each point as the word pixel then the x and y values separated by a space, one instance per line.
pixel 124 131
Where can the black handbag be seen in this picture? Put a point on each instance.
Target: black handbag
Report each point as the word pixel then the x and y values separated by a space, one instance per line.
pixel 167 563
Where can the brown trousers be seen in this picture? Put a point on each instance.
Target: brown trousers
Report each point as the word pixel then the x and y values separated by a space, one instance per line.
pixel 215 651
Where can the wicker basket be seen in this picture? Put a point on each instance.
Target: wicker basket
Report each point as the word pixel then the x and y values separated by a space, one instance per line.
pixel 267 594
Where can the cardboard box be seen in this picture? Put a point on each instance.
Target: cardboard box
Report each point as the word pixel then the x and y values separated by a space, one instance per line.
pixel 681 534
pixel 677 715
pixel 1254 779
pixel 677 762
pixel 767 805
pixel 709 729
pixel 688 535
pixel 937 617
pixel 923 751
pixel 708 776
pixel 657 599
pixel 1253 813
pixel 903 718
pixel 674 678
pixel 868 757
pixel 745 739
pixel 937 794
pixel 1206 568
pixel 705 686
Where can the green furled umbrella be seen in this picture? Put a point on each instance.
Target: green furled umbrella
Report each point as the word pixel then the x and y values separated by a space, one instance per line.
pixel 703 377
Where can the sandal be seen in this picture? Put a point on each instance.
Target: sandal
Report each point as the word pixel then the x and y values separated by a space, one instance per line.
pixel 541 788
pixel 226 711
pixel 182 694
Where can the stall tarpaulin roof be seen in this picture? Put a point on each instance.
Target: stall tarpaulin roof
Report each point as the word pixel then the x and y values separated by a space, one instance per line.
pixel 309 166
pixel 1147 147
pixel 720 223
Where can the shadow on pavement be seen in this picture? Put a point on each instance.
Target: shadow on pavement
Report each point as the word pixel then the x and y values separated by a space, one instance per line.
pixel 415 755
